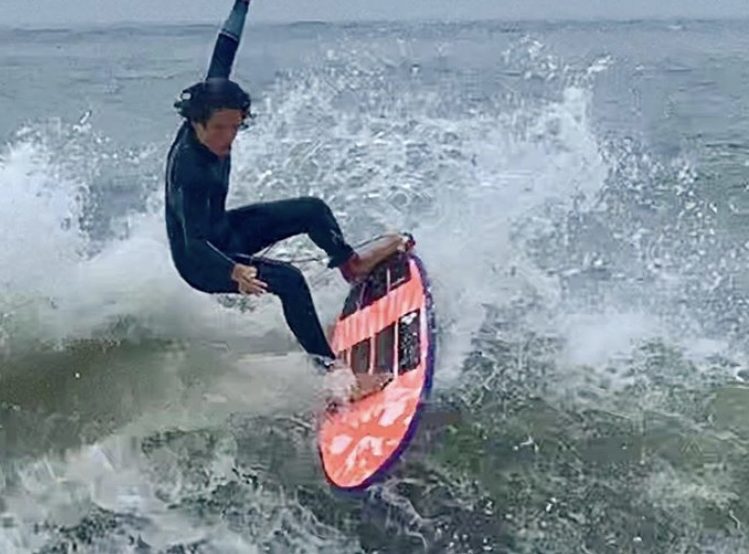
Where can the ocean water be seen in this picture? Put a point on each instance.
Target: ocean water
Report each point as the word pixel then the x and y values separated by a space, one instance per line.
pixel 578 192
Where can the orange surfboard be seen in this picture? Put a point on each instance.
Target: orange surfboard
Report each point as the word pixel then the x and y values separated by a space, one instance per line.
pixel 387 326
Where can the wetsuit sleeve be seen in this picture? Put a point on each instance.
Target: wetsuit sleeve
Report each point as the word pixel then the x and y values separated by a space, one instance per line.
pixel 228 41
pixel 196 219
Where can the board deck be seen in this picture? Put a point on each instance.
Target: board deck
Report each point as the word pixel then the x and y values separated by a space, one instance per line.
pixel 386 326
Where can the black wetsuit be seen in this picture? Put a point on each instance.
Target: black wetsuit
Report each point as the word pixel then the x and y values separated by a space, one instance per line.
pixel 207 240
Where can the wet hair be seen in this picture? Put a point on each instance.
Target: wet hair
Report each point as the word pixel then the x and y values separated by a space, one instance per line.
pixel 200 101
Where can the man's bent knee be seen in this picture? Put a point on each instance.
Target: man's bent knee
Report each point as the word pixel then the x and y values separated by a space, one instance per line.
pixel 316 207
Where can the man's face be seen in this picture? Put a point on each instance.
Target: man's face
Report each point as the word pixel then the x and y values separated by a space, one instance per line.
pixel 219 132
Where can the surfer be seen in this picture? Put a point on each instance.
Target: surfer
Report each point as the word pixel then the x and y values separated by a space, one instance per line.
pixel 215 250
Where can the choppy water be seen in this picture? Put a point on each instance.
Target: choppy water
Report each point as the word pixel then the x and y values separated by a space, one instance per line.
pixel 578 192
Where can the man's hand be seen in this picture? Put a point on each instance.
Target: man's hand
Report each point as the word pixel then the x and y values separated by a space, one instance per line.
pixel 246 278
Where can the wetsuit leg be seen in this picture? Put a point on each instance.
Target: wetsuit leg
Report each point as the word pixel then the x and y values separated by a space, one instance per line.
pixel 259 225
pixel 288 283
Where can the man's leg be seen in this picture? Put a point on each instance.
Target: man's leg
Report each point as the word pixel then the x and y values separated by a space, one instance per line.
pixel 288 283
pixel 260 225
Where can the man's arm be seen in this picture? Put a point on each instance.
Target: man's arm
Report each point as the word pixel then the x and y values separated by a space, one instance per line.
pixel 195 213
pixel 193 206
pixel 228 41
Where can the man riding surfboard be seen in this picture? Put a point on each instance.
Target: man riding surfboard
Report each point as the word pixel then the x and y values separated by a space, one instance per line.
pixel 214 249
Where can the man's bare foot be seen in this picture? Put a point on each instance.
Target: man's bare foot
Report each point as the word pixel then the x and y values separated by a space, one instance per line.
pixel 358 266
pixel 367 385
pixel 344 386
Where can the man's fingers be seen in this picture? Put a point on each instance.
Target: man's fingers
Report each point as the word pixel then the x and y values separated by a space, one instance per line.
pixel 252 286
pixel 257 283
pixel 250 290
